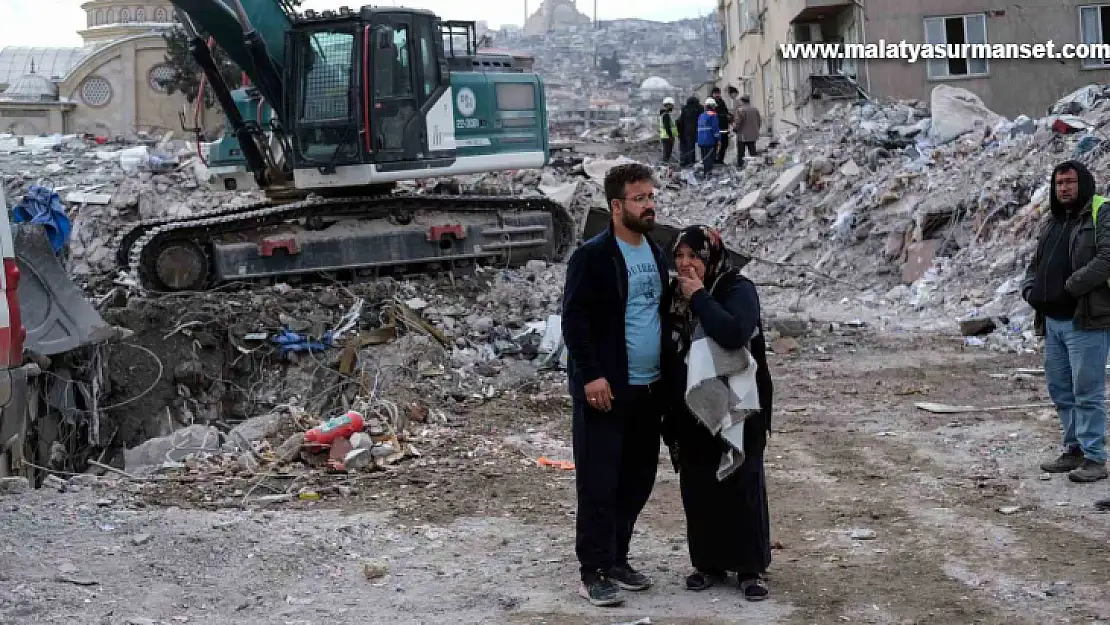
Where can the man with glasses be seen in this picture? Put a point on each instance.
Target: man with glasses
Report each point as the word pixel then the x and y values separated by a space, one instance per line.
pixel 613 332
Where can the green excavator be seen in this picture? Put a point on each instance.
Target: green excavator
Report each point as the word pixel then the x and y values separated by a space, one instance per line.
pixel 341 105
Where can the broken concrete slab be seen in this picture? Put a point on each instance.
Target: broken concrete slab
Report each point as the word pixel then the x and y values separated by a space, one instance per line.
pixel 957 112
pixel 787 181
pixel 253 430
pixel 192 440
pixel 792 327
pixel 850 168
pixel 919 257
pixel 82 197
pixel 561 193
pixel 748 202
pixel 597 168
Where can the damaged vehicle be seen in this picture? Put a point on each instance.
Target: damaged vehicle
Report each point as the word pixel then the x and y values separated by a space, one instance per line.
pixel 49 340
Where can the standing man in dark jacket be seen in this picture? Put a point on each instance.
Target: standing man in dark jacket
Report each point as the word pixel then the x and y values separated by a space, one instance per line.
pixel 612 308
pixel 1066 284
pixel 725 120
pixel 688 131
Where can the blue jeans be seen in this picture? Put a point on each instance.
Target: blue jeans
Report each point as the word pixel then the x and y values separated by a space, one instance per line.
pixel 1075 369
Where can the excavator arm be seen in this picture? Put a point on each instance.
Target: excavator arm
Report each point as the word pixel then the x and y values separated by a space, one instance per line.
pixel 251 32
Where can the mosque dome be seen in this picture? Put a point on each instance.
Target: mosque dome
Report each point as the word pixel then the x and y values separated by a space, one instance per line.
pixel 655 83
pixel 31 88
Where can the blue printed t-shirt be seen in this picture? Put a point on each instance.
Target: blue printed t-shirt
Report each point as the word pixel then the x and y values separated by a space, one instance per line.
pixel 642 329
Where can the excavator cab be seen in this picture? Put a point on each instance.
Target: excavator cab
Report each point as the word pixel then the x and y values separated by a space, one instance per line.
pixel 369 94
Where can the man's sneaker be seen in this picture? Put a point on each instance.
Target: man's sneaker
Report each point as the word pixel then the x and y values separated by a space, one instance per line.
pixel 600 591
pixel 1089 471
pixel 629 578
pixel 1068 461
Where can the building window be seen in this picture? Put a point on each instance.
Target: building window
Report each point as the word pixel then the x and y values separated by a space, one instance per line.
pixel 955 30
pixel 140 15
pixel 99 17
pixel 747 17
pixel 160 15
pixel 109 17
pixel 158 75
pixel 125 15
pixel 1094 28
pixel 96 91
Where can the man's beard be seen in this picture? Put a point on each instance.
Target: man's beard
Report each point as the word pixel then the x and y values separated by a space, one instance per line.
pixel 638 225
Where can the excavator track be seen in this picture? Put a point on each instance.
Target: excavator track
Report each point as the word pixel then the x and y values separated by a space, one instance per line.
pixel 185 241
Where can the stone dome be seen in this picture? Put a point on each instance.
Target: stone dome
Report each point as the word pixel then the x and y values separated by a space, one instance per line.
pixel 31 88
pixel 655 83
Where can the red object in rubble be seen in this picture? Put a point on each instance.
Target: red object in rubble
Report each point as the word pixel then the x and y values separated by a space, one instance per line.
pixel 339 427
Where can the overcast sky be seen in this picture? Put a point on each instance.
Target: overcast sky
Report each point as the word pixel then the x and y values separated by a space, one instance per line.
pixel 56 22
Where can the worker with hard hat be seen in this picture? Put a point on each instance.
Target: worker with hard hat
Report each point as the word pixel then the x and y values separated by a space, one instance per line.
pixel 709 135
pixel 667 129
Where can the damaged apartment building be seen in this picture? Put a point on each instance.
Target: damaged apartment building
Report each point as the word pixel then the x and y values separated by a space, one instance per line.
pixel 797 91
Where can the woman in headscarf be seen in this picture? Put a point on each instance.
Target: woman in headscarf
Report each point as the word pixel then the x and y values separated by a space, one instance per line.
pixel 728 529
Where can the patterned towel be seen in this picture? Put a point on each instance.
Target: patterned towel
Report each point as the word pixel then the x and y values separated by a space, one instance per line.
pixel 721 393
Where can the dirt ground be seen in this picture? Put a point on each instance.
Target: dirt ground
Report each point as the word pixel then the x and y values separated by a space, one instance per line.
pixel 476 532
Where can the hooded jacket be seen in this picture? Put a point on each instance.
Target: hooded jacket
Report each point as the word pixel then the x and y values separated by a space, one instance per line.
pixel 1086 263
pixel 688 119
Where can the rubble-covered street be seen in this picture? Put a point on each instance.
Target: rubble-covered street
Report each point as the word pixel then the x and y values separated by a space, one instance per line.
pixel 184 479
pixel 882 513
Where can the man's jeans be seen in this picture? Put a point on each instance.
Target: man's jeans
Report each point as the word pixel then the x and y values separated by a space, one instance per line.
pixel 1075 369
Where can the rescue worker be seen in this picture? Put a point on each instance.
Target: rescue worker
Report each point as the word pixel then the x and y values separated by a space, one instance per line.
pixel 667 128
pixel 709 135
pixel 688 131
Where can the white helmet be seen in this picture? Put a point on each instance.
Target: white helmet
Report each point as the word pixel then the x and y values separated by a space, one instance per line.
pixel 710 102
pixel 668 100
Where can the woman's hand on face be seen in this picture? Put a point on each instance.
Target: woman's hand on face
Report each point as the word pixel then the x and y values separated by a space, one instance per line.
pixel 689 282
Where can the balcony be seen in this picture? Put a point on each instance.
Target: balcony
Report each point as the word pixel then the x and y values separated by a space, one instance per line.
pixel 808 11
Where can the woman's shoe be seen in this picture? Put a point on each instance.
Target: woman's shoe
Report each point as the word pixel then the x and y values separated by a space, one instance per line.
pixel 754 588
pixel 702 580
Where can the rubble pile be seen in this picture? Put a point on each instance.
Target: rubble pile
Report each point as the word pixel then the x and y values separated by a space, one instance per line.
pixel 876 212
pixel 108 188
pixel 233 355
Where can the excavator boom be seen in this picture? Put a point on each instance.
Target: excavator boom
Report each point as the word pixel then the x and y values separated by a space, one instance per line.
pixel 267 21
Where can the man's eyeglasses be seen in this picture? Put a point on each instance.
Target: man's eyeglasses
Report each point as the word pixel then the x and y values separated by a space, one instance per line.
pixel 640 199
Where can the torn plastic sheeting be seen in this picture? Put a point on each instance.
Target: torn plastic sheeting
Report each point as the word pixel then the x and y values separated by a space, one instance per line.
pixel 1084 96
pixel 293 342
pixel 43 206
pixel 552 344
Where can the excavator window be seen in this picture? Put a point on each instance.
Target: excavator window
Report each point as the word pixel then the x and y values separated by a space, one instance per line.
pixel 429 64
pixel 326 130
pixel 328 79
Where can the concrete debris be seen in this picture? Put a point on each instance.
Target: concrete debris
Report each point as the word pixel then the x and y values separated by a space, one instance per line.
pixel 13 485
pixel 957 112
pixel 191 441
